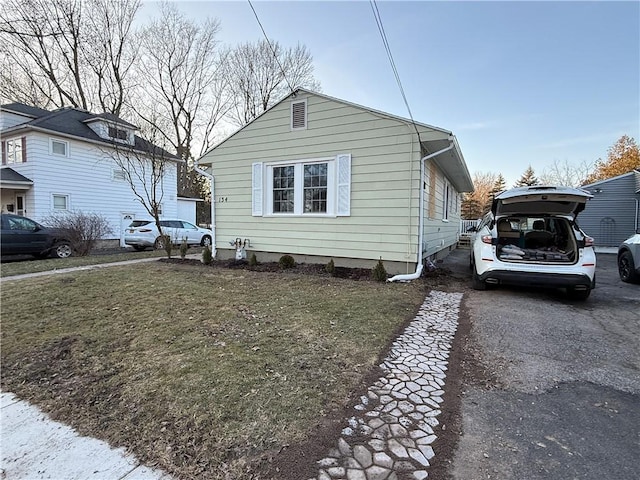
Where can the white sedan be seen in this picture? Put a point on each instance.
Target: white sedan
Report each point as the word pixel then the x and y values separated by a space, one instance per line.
pixel 143 234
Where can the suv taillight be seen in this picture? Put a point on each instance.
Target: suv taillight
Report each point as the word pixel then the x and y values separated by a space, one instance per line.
pixel 588 241
pixel 487 239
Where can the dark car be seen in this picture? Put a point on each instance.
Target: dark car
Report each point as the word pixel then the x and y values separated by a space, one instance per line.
pixel 23 236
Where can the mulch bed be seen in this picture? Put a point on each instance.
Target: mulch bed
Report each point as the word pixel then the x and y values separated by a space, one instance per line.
pixel 274 267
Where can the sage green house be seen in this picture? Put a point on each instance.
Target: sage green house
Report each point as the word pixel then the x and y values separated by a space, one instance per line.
pixel 320 178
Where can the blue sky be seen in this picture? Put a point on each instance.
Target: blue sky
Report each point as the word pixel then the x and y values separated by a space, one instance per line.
pixel 519 83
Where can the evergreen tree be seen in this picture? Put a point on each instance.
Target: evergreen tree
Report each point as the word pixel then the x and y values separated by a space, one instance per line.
pixel 499 185
pixel 470 208
pixel 528 178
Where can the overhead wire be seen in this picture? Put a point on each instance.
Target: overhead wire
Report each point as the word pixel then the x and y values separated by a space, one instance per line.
pixel 385 41
pixel 284 75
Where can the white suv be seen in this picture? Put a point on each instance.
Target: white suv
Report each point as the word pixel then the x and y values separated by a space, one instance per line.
pixel 530 237
pixel 143 234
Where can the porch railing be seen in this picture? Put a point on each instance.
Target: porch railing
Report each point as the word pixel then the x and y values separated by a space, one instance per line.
pixel 466 224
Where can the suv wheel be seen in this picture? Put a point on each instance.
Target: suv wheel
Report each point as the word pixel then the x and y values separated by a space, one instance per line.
pixel 476 283
pixel 625 268
pixel 159 243
pixel 206 241
pixel 578 294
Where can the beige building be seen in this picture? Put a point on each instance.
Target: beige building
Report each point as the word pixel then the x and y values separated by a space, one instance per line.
pixel 320 178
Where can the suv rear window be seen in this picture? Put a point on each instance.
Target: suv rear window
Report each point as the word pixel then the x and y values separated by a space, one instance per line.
pixel 139 223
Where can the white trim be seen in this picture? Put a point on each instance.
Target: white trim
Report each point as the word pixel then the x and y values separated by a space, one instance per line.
pixel 63 142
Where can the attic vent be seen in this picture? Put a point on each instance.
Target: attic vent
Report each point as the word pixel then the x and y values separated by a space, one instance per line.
pixel 299 115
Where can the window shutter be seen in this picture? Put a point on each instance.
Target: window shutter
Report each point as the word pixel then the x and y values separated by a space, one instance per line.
pixel 256 188
pixel 24 149
pixel 344 185
pixel 299 115
pixel 4 153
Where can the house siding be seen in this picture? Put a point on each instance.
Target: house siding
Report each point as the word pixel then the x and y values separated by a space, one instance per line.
pixel 611 216
pixel 385 171
pixel 439 233
pixel 8 120
pixel 85 175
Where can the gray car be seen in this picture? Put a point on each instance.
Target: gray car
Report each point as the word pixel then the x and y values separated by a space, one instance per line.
pixel 629 259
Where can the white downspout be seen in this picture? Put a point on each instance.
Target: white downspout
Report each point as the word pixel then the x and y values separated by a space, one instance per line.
pixel 211 178
pixel 413 276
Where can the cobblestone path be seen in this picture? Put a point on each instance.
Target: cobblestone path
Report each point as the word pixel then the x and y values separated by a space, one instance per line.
pixel 390 438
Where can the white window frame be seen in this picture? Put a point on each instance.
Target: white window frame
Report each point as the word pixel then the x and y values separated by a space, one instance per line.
pixel 446 201
pixel 63 142
pixel 13 149
pixel 298 203
pixel 66 201
pixel 295 102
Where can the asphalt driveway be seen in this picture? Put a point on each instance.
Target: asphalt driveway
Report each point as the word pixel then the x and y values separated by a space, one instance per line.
pixel 549 388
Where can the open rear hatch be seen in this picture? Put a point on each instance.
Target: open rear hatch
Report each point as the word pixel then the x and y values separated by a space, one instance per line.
pixel 540 200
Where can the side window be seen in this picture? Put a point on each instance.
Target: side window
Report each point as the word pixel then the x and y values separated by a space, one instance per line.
pixel 22 224
pixel 59 147
pixel 60 202
pixel 188 225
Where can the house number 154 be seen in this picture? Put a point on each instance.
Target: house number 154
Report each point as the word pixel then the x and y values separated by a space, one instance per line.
pixel 222 199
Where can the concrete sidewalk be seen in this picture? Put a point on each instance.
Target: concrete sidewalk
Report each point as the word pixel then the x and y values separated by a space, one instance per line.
pixel 35 447
pixel 193 256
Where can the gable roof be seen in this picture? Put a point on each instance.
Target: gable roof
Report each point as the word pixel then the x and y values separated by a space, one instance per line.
pixel 73 122
pixel 457 171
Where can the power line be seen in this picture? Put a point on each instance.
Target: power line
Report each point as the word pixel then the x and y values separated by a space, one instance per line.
pixel 284 75
pixel 376 14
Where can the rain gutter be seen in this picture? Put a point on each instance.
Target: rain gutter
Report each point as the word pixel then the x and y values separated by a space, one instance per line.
pixel 211 178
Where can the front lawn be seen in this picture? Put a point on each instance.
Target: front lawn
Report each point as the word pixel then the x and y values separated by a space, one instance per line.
pixel 203 372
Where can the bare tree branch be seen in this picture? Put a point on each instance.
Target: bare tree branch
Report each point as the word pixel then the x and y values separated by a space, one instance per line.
pixel 257 81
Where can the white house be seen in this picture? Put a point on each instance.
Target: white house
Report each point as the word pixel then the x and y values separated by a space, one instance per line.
pixel 62 161
pixel 321 178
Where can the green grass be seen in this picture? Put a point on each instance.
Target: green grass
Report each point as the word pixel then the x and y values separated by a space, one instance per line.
pixel 199 370
pixel 11 267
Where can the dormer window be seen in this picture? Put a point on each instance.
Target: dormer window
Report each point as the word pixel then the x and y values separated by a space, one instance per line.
pixel 118 133
pixel 299 115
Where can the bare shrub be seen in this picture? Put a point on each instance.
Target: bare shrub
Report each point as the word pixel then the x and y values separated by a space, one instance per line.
pixel 83 230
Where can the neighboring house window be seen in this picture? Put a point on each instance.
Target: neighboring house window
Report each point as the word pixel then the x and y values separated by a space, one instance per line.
pixel 305 187
pixel 60 202
pixel 59 147
pixel 14 151
pixel 118 133
pixel 118 174
pixel 299 115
